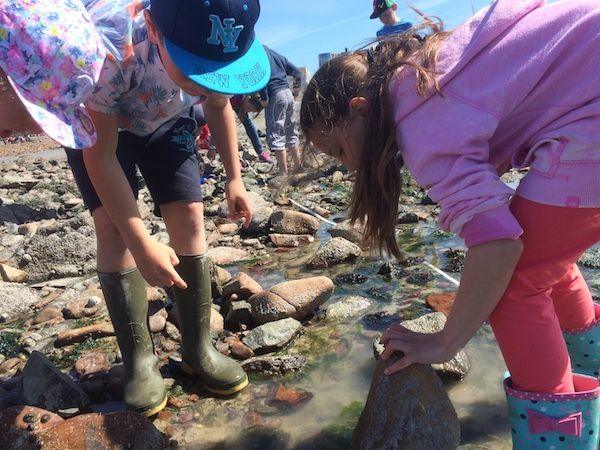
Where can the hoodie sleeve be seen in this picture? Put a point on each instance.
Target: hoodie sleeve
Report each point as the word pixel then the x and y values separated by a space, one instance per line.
pixel 444 144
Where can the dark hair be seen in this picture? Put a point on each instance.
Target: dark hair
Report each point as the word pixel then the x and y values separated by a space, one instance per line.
pixel 367 73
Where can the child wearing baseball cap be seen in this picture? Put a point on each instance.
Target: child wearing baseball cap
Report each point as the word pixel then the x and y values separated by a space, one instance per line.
pixel 165 56
pixel 385 10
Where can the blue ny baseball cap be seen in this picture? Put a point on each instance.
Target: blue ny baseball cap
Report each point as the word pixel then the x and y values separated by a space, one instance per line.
pixel 213 42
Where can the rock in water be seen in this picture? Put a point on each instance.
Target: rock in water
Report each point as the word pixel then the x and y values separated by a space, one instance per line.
pixel 408 410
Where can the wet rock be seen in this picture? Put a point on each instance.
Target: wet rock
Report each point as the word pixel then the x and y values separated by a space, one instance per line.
pixel 455 369
pixel 392 270
pixel 20 425
pixel 242 285
pixel 335 251
pixel 113 431
pixel 272 336
pixel 296 298
pixel 275 365
pixel 226 255
pixel 289 398
pixel 47 387
pixel 239 313
pixel 258 437
pixel 12 274
pixel 238 349
pixel 346 308
pixel 287 221
pixel 407 410
pixel 353 233
pixel 260 220
pixel 291 240
pixel 441 302
pixel 350 278
pixel 94 331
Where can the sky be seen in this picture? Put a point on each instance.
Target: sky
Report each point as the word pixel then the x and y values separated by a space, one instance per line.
pixel 301 29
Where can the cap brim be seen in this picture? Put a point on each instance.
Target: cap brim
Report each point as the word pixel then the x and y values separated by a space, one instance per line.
pixel 375 15
pixel 247 74
pixel 71 129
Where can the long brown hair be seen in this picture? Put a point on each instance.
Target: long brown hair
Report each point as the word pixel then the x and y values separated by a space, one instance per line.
pixel 367 73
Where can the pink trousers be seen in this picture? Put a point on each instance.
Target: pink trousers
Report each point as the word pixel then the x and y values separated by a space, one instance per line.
pixel 546 294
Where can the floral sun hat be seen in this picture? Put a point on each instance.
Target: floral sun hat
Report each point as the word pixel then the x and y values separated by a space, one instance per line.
pixel 52 56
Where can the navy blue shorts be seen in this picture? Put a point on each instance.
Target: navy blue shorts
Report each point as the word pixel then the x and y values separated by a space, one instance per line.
pixel 166 159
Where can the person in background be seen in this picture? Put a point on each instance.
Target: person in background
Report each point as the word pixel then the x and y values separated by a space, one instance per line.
pixel 166 56
pixel 243 105
pixel 385 10
pixel 449 106
pixel 278 100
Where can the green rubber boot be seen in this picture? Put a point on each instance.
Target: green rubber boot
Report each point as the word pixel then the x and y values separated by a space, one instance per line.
pixel 125 296
pixel 219 373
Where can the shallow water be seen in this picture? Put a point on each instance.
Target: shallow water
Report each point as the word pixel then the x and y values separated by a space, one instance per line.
pixel 341 362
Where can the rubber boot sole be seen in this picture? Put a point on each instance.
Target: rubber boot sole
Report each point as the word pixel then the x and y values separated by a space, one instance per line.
pixel 188 370
pixel 150 411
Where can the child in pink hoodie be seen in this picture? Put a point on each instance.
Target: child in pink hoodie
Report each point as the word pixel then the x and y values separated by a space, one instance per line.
pixel 517 85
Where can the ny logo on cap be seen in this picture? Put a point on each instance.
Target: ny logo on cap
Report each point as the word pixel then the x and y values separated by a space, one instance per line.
pixel 224 33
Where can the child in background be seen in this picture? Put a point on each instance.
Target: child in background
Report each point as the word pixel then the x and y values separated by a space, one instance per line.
pixel 449 107
pixel 278 100
pixel 163 61
pixel 385 10
pixel 239 105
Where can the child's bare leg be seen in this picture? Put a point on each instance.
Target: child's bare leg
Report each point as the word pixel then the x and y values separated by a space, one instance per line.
pixel 112 254
pixel 185 225
pixel 281 156
pixel 296 157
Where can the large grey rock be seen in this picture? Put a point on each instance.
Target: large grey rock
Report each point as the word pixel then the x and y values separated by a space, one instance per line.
pixel 408 410
pixel 272 336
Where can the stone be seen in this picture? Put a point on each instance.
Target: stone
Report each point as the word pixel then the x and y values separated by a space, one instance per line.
pixel 409 409
pixel 20 425
pixel 12 274
pixel 228 228
pixel 76 335
pixel 46 314
pixel 47 387
pixel 335 251
pixel 93 365
pixel 242 285
pixel 287 221
pixel 112 431
pixel 441 302
pixel 226 255
pixel 272 336
pixel 291 240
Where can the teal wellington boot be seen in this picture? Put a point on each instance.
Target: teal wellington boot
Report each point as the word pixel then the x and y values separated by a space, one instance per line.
pixel 555 421
pixel 219 373
pixel 125 296
pixel 584 347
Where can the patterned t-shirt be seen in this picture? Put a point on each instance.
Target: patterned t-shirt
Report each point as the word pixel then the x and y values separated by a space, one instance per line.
pixel 134 83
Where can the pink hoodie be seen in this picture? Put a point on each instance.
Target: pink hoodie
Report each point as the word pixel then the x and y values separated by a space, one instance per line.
pixel 521 87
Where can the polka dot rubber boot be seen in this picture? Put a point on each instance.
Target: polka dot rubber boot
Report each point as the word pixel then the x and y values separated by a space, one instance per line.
pixel 584 347
pixel 555 421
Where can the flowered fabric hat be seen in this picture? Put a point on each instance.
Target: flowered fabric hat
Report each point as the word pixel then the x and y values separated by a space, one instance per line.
pixel 52 56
